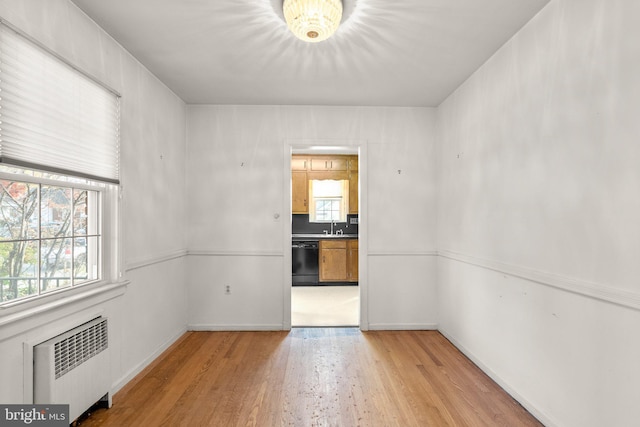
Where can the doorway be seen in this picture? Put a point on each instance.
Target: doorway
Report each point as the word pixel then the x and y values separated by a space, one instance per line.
pixel 325 199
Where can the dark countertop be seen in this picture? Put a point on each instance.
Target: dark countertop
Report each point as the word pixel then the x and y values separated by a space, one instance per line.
pixel 322 236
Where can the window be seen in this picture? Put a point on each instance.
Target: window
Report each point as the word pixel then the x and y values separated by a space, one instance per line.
pixel 59 173
pixel 50 234
pixel 330 200
pixel 328 209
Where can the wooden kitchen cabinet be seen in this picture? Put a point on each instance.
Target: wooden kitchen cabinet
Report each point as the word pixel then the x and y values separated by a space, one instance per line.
pixel 309 167
pixel 353 163
pixel 353 192
pixel 338 260
pixel 322 163
pixel 299 163
pixel 334 167
pixel 333 260
pixel 352 260
pixel 299 192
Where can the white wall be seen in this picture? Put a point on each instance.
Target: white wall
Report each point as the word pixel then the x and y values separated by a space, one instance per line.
pixel 150 312
pixel 538 214
pixel 236 172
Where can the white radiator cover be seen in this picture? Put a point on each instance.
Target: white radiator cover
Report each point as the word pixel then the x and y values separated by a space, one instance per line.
pixel 73 368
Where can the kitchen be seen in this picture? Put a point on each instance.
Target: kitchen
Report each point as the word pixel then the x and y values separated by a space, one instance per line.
pixel 324 243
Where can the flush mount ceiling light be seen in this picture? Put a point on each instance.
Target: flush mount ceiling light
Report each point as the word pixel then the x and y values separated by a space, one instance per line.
pixel 312 20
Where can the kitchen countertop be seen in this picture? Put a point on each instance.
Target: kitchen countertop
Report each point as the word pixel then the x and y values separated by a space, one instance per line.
pixel 322 236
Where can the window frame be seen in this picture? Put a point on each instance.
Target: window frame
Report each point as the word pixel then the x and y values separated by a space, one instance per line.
pixel 108 220
pixel 342 198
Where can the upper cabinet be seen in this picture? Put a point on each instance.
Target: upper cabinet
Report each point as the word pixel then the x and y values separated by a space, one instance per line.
pixel 328 167
pixel 299 185
pixel 299 163
pixel 353 192
pixel 353 163
pixel 299 192
pixel 320 167
pixel 353 184
pixel 329 163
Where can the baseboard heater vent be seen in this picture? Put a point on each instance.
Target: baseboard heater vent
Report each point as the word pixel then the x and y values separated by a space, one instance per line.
pixel 73 368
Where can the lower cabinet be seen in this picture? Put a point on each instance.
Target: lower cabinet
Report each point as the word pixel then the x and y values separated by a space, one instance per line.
pixel 338 260
pixel 352 260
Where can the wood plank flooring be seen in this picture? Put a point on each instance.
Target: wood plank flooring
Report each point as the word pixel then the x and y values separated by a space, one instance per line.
pixel 312 377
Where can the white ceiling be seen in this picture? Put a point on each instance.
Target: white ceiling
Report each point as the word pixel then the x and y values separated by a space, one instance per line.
pixel 385 53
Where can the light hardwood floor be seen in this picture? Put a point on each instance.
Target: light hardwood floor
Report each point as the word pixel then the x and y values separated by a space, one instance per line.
pixel 312 377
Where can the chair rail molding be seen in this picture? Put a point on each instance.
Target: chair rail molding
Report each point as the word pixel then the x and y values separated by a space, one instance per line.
pixel 577 286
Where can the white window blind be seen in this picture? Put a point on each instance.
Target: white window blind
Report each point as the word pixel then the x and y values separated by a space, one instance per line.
pixel 52 116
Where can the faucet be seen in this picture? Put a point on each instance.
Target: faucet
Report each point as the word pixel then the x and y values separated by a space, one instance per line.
pixel 330 233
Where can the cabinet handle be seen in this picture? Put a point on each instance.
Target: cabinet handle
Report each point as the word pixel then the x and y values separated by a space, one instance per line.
pixel 331 164
pixel 305 202
pixel 323 259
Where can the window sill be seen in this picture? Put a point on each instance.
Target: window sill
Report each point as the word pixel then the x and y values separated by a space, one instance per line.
pixel 10 315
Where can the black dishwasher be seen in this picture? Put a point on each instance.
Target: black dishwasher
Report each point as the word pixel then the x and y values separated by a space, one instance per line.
pixel 304 263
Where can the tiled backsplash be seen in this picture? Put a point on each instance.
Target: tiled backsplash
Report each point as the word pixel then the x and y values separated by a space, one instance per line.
pixel 301 225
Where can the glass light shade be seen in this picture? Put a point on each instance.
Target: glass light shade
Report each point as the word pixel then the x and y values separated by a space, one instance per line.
pixel 312 20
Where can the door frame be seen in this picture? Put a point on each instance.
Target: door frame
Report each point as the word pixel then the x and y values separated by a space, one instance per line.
pixel 324 147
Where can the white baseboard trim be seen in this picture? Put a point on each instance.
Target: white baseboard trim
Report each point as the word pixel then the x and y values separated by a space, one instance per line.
pixel 231 327
pixel 597 291
pixel 529 406
pixel 403 326
pixel 146 362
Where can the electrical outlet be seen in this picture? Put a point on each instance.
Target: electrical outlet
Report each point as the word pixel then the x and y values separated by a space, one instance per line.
pixel 227 289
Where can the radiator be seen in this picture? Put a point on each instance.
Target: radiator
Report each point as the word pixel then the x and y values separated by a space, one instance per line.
pixel 73 368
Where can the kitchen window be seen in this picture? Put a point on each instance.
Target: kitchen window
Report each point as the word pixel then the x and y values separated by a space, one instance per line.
pixel 330 200
pixel 328 210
